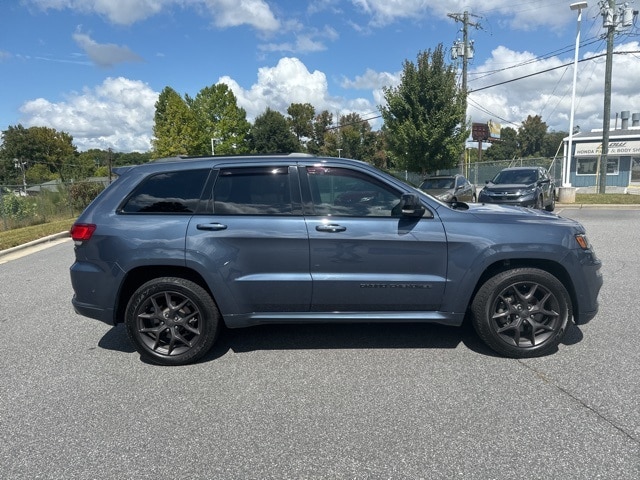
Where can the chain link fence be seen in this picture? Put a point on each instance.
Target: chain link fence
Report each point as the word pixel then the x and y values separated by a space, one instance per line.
pixel 479 172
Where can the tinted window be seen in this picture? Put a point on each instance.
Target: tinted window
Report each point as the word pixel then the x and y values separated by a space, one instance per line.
pixel 253 191
pixel 172 192
pixel 339 191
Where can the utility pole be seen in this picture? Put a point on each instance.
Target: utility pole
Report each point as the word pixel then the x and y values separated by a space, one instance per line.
pixel 613 20
pixel 610 23
pixel 464 49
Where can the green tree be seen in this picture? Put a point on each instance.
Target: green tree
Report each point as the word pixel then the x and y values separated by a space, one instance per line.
pixel 301 120
pixel 175 127
pixel 356 138
pixel 271 134
pixel 552 143
pixel 506 148
pixel 320 126
pixel 219 120
pixel 39 173
pixel 531 136
pixel 40 145
pixel 422 115
pixel 380 157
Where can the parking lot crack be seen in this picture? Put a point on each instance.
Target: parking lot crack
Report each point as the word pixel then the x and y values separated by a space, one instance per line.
pixel 558 387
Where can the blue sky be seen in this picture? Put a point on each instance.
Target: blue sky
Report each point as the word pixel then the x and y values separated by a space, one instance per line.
pixel 94 68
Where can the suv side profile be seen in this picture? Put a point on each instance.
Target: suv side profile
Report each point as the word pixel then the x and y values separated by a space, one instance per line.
pixel 178 247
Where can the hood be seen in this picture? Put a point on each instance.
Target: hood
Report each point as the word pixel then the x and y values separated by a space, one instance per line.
pixel 509 186
pixel 506 213
pixel 437 191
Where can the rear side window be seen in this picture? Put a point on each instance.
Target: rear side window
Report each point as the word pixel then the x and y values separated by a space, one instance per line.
pixel 253 191
pixel 171 192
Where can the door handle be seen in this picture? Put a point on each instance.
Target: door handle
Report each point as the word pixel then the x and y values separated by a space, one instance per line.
pixel 330 228
pixel 214 227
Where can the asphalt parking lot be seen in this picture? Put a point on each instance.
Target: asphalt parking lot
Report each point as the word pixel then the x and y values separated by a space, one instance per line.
pixel 341 401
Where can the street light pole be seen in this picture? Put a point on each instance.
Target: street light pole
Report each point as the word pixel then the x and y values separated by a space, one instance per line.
pixel 567 166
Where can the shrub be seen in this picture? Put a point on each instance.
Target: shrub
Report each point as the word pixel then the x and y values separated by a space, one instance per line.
pixel 82 194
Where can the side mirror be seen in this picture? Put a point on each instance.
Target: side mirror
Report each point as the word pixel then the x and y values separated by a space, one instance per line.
pixel 411 206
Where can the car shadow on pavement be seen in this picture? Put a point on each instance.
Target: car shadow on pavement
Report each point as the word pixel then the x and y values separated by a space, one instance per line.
pixel 335 336
pixel 116 339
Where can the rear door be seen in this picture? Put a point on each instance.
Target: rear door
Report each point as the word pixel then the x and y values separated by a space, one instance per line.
pixel 251 241
pixel 364 256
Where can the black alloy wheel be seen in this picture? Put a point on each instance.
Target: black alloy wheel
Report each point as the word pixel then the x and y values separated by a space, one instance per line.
pixel 522 312
pixel 172 321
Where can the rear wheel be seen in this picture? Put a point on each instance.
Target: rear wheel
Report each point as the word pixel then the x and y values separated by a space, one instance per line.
pixel 522 312
pixel 172 321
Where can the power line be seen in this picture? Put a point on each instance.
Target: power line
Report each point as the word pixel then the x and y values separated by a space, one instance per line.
pixel 550 69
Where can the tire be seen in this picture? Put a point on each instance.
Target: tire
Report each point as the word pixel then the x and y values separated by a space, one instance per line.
pixel 539 203
pixel 521 313
pixel 172 321
pixel 551 207
pixel 473 198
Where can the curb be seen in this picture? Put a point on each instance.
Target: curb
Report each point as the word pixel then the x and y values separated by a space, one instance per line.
pixel 613 206
pixel 47 239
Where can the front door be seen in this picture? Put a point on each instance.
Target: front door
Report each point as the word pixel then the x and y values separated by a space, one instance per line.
pixel 365 256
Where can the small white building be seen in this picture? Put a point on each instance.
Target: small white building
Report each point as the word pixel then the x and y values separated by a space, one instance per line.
pixel 623 157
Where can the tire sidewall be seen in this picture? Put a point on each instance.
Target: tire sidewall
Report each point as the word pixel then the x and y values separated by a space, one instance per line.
pixel 485 298
pixel 209 319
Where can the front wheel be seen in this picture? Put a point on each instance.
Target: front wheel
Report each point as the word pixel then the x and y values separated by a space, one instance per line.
pixel 539 203
pixel 551 207
pixel 522 312
pixel 172 321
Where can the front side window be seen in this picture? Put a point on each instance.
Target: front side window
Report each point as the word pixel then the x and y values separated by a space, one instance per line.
pixel 344 192
pixel 253 191
pixel 171 192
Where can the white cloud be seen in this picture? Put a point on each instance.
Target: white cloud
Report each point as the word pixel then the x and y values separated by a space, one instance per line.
pixel 122 12
pixel 107 54
pixel 224 13
pixel 518 15
pixel 117 114
pixel 232 13
pixel 291 82
pixel 549 94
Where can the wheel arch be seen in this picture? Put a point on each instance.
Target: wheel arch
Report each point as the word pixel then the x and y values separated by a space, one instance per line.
pixel 549 266
pixel 140 275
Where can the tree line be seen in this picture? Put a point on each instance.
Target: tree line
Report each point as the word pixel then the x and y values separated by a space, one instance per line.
pixel 423 131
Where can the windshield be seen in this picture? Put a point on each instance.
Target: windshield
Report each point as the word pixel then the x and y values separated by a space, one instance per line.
pixel 437 183
pixel 522 177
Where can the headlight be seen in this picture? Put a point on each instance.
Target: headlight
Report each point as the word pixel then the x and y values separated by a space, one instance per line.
pixel 444 197
pixel 526 193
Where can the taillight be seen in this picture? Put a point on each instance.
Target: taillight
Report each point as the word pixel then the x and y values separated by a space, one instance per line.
pixel 81 232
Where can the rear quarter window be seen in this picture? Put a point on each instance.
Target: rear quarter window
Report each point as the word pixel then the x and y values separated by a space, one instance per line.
pixel 168 192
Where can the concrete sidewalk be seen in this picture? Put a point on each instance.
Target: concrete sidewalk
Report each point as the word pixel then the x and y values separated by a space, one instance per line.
pixel 44 240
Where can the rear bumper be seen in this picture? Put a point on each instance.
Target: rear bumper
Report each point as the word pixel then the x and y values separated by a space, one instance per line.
pixel 92 311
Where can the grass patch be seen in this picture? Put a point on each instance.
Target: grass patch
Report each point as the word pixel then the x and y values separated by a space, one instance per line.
pixel 607 199
pixel 19 236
